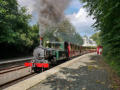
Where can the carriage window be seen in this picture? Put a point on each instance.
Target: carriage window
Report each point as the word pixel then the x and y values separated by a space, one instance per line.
pixel 57 46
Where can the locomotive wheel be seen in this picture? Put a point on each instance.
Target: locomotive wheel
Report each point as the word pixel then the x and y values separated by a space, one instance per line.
pixel 37 70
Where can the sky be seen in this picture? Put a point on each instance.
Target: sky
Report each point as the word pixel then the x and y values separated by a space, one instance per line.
pixel 75 13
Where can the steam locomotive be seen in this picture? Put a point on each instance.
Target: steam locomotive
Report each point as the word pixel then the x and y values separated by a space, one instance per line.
pixel 52 52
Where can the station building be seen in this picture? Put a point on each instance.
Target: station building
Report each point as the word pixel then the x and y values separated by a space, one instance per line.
pixel 88 41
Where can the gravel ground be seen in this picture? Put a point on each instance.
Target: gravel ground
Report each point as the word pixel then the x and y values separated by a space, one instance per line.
pixel 84 74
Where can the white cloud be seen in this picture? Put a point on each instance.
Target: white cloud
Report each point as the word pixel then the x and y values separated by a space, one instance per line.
pixel 29 4
pixel 82 22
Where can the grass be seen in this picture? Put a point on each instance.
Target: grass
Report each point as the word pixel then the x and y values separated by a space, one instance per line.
pixel 114 64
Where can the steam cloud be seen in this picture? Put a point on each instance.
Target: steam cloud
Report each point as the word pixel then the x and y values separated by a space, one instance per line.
pixel 50 12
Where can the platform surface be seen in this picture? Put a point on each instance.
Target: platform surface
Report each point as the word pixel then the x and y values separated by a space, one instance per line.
pixel 87 73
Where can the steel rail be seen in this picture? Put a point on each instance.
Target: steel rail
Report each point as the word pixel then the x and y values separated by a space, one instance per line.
pixel 17 60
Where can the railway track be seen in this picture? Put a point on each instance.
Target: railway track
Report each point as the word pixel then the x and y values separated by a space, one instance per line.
pixel 13 69
pixel 18 73
pixel 14 60
pixel 5 65
pixel 10 67
pixel 13 72
pixel 10 83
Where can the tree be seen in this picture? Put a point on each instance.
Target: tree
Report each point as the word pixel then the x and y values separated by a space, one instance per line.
pixel 64 31
pixel 106 13
pixel 16 35
pixel 13 23
pixel 96 38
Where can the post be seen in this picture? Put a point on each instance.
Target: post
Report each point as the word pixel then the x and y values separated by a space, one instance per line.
pixel 40 33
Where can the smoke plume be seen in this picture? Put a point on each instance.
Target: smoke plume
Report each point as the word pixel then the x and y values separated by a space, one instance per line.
pixel 50 12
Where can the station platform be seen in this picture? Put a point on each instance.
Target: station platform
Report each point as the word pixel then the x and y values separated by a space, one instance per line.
pixel 82 73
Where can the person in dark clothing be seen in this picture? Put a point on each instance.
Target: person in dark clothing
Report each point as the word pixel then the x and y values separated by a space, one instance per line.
pixel 66 49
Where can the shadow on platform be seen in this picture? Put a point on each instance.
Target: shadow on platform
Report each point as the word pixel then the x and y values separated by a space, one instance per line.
pixel 81 78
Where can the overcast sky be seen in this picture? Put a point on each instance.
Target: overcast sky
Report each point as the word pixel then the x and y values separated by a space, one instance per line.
pixel 74 12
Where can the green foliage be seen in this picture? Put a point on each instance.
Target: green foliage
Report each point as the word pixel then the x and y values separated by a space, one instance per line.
pixel 96 38
pixel 16 35
pixel 114 64
pixel 107 15
pixel 64 31
pixel 13 22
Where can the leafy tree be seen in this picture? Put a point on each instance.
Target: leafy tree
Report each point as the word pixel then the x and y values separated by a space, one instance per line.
pixel 106 13
pixel 16 35
pixel 96 38
pixel 13 22
pixel 64 31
